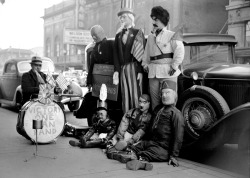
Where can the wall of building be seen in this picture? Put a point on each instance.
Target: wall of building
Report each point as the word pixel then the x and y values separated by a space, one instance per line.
pixel 195 15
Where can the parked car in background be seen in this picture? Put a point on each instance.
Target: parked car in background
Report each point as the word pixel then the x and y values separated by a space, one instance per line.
pixel 214 92
pixel 10 82
pixel 78 76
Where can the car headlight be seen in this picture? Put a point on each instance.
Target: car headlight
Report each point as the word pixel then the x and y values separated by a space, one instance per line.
pixel 194 75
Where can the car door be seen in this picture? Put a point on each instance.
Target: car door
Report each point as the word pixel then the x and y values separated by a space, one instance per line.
pixel 10 81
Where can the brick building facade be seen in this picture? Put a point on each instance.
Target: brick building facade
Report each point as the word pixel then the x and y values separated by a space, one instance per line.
pixel 195 16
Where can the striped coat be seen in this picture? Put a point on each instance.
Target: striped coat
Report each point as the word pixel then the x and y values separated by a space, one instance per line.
pixel 128 67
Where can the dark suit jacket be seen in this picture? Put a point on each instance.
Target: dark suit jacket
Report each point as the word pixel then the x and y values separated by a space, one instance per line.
pixel 30 85
pixel 102 54
pixel 122 53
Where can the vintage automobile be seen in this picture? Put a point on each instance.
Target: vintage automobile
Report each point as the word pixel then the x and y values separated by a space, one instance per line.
pixel 10 82
pixel 78 76
pixel 214 92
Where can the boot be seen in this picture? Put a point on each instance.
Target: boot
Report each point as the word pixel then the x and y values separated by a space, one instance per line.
pixel 115 154
pixel 124 158
pixel 138 164
pixel 91 144
pixel 74 143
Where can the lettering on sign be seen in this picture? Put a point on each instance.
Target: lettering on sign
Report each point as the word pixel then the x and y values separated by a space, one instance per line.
pixel 103 74
pixel 52 118
pixel 79 37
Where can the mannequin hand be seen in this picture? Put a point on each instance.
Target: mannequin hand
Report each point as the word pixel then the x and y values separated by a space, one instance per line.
pixel 115 78
pixel 139 78
pixel 171 71
pixel 173 161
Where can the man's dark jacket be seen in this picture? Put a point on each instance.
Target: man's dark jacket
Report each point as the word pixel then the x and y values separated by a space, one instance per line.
pixel 102 54
pixel 168 129
pixel 30 85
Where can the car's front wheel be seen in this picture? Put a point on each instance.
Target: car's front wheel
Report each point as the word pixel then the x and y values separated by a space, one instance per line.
pixel 201 108
pixel 73 105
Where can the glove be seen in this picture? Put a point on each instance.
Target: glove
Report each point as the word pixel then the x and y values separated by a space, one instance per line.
pixel 171 71
pixel 173 161
pixel 115 78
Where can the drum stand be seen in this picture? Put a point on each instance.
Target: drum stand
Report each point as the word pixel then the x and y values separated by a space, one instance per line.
pixel 37 124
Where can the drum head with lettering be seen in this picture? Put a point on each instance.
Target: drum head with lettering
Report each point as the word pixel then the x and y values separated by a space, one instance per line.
pixel 51 117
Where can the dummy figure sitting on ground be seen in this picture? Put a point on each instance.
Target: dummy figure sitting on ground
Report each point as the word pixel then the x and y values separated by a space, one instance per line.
pixel 102 130
pixel 132 128
pixel 165 134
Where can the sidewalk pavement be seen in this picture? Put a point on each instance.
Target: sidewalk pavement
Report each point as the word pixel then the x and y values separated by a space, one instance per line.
pixel 72 162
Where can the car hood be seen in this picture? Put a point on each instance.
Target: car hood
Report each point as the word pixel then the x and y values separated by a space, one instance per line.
pixel 219 70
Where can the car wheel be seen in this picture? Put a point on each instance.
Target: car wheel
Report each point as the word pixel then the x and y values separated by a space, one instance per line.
pixel 73 105
pixel 18 101
pixel 201 108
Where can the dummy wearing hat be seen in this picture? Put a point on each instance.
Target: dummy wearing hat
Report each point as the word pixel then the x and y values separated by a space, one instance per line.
pixel 163 54
pixel 127 64
pixel 166 134
pixel 32 79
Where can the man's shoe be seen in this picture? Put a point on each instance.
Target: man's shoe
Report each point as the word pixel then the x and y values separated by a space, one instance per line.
pixel 124 158
pixel 111 155
pixel 137 164
pixel 115 154
pixel 74 143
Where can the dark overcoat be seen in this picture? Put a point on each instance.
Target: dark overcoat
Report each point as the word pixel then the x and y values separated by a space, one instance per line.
pixel 30 85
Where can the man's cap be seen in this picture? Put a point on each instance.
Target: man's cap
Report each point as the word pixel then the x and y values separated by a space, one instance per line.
pixel 36 60
pixel 145 97
pixel 102 105
pixel 127 6
pixel 168 84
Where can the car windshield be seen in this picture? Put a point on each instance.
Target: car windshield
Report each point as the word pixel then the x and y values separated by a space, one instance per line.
pixel 25 66
pixel 215 53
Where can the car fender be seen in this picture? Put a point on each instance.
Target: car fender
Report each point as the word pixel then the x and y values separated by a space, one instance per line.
pixel 230 128
pixel 201 107
pixel 18 90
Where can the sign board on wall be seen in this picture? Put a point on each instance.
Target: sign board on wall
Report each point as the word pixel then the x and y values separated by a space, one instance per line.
pixel 77 37
pixel 103 73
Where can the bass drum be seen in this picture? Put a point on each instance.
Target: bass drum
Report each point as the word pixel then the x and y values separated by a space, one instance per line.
pixel 52 116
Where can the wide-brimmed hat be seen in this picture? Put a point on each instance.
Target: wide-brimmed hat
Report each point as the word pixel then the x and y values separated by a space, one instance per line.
pixel 127 6
pixel 36 60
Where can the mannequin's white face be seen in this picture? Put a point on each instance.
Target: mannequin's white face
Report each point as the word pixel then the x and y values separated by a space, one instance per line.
pixel 102 115
pixel 125 20
pixel 168 96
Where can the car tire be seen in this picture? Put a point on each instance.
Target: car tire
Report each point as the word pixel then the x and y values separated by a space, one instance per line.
pixel 201 108
pixel 73 105
pixel 18 101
